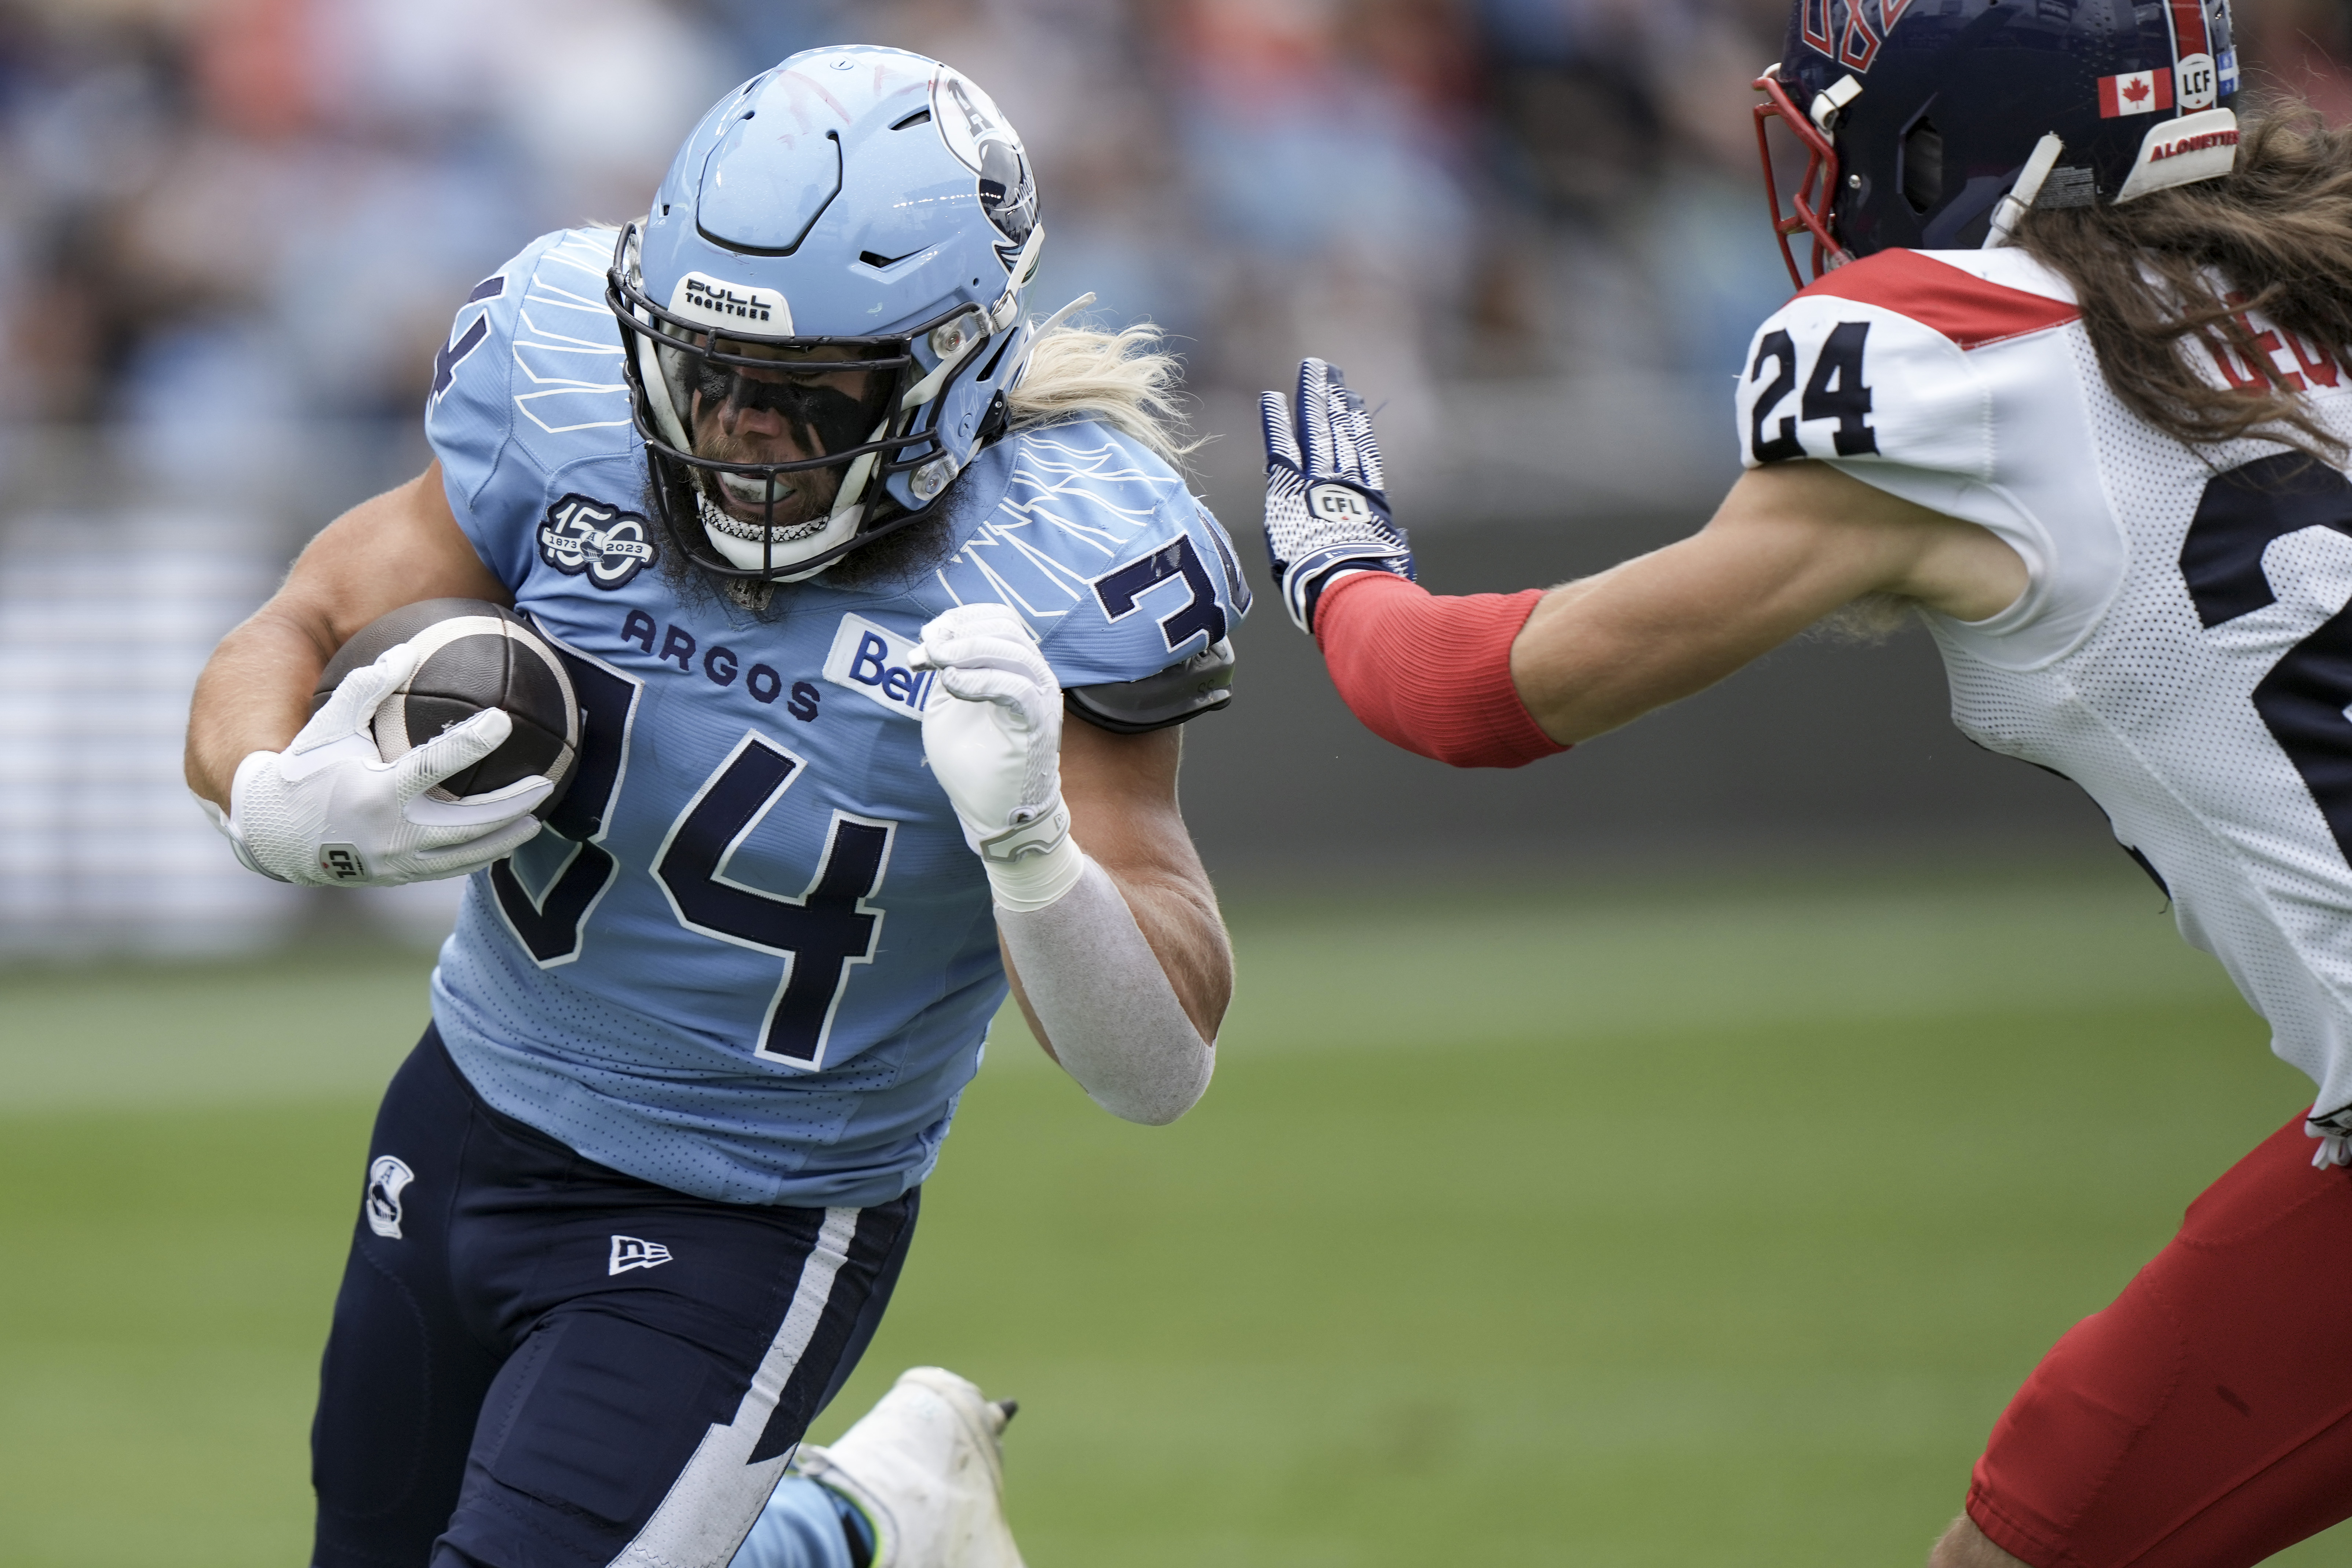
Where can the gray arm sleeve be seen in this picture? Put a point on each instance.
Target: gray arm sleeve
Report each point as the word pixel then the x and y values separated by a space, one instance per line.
pixel 1106 1005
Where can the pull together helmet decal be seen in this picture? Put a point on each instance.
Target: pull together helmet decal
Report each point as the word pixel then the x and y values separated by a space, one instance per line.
pixel 1920 124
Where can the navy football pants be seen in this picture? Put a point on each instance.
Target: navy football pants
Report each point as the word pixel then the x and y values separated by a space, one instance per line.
pixel 538 1361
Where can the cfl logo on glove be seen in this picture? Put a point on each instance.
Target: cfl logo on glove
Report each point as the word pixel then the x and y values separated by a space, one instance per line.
pixel 341 862
pixel 878 665
pixel 1340 503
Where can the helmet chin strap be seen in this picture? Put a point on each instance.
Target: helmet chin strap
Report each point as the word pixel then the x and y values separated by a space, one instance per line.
pixel 2013 206
pixel 1055 320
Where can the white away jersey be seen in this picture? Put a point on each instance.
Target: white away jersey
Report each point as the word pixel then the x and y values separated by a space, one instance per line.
pixel 751 956
pixel 2184 648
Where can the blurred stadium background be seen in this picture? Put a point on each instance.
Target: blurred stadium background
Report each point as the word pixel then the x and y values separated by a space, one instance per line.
pixel 1677 1151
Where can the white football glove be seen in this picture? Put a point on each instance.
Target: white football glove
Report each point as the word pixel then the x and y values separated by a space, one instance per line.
pixel 328 811
pixel 1327 512
pixel 993 734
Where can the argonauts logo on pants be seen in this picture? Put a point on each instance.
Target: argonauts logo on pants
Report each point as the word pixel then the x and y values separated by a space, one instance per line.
pixel 387 1177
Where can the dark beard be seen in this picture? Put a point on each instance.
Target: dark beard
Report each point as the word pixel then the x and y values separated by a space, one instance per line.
pixel 892 561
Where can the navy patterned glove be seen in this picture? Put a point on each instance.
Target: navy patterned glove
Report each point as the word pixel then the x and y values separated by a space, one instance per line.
pixel 1327 512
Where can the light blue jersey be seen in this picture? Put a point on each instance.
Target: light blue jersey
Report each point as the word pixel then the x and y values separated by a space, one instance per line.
pixel 752 957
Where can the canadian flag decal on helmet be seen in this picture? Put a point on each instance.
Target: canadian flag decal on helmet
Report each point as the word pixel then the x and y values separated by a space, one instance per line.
pixel 2135 92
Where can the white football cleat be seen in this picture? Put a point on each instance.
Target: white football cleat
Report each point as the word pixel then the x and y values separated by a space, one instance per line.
pixel 924 1466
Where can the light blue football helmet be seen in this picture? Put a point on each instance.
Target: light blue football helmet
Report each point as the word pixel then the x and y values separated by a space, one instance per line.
pixel 864 208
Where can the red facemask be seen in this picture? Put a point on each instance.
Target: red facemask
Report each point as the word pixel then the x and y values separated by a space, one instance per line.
pixel 1816 189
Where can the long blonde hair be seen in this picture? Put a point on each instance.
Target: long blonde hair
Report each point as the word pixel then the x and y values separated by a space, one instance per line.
pixel 1124 379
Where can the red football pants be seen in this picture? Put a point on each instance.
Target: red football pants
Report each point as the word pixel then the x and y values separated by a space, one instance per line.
pixel 2204 1420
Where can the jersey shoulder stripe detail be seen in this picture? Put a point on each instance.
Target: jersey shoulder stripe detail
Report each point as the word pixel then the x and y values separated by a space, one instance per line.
pixel 1970 310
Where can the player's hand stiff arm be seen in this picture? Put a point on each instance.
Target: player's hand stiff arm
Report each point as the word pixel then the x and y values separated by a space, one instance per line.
pixel 1328 527
pixel 992 735
pixel 1498 680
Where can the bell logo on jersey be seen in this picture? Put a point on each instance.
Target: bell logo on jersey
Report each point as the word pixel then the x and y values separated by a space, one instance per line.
pixel 387 1177
pixel 609 545
pixel 879 665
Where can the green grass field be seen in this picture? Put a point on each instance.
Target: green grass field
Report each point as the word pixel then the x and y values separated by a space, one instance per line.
pixel 1667 1225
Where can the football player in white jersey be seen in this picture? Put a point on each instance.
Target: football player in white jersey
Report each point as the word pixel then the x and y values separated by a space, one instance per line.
pixel 2073 379
pixel 830 534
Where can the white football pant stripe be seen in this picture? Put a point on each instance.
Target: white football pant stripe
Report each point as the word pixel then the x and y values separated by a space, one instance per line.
pixel 716 1498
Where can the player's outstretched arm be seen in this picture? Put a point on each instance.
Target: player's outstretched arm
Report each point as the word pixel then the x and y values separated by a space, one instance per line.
pixel 282 784
pixel 1790 543
pixel 1109 929
pixel 1497 680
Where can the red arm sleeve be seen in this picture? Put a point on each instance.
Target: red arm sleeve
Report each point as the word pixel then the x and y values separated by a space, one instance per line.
pixel 1432 674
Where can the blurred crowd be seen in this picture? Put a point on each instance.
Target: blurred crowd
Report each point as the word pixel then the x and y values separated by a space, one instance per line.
pixel 233 234
pixel 248 210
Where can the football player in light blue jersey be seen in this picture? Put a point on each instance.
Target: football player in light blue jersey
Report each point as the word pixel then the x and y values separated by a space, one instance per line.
pixel 831 537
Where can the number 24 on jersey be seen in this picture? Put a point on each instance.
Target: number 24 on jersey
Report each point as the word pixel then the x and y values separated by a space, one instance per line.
pixel 1834 390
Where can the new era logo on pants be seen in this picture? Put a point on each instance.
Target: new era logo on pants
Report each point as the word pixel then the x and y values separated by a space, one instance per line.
pixel 629 1252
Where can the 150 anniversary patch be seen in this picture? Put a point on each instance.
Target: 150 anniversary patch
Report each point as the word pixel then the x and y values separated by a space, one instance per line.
pixel 581 534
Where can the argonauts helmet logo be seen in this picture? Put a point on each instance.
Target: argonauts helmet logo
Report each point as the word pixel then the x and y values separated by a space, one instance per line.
pixel 387 1178
pixel 984 142
pixel 581 534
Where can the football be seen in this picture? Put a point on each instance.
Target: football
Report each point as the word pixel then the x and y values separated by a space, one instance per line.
pixel 477 655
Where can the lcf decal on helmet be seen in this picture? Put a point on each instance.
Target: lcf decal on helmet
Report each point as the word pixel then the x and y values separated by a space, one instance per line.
pixel 1940 126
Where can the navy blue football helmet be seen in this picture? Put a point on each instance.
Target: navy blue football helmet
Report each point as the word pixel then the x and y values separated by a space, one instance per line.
pixel 1937 124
